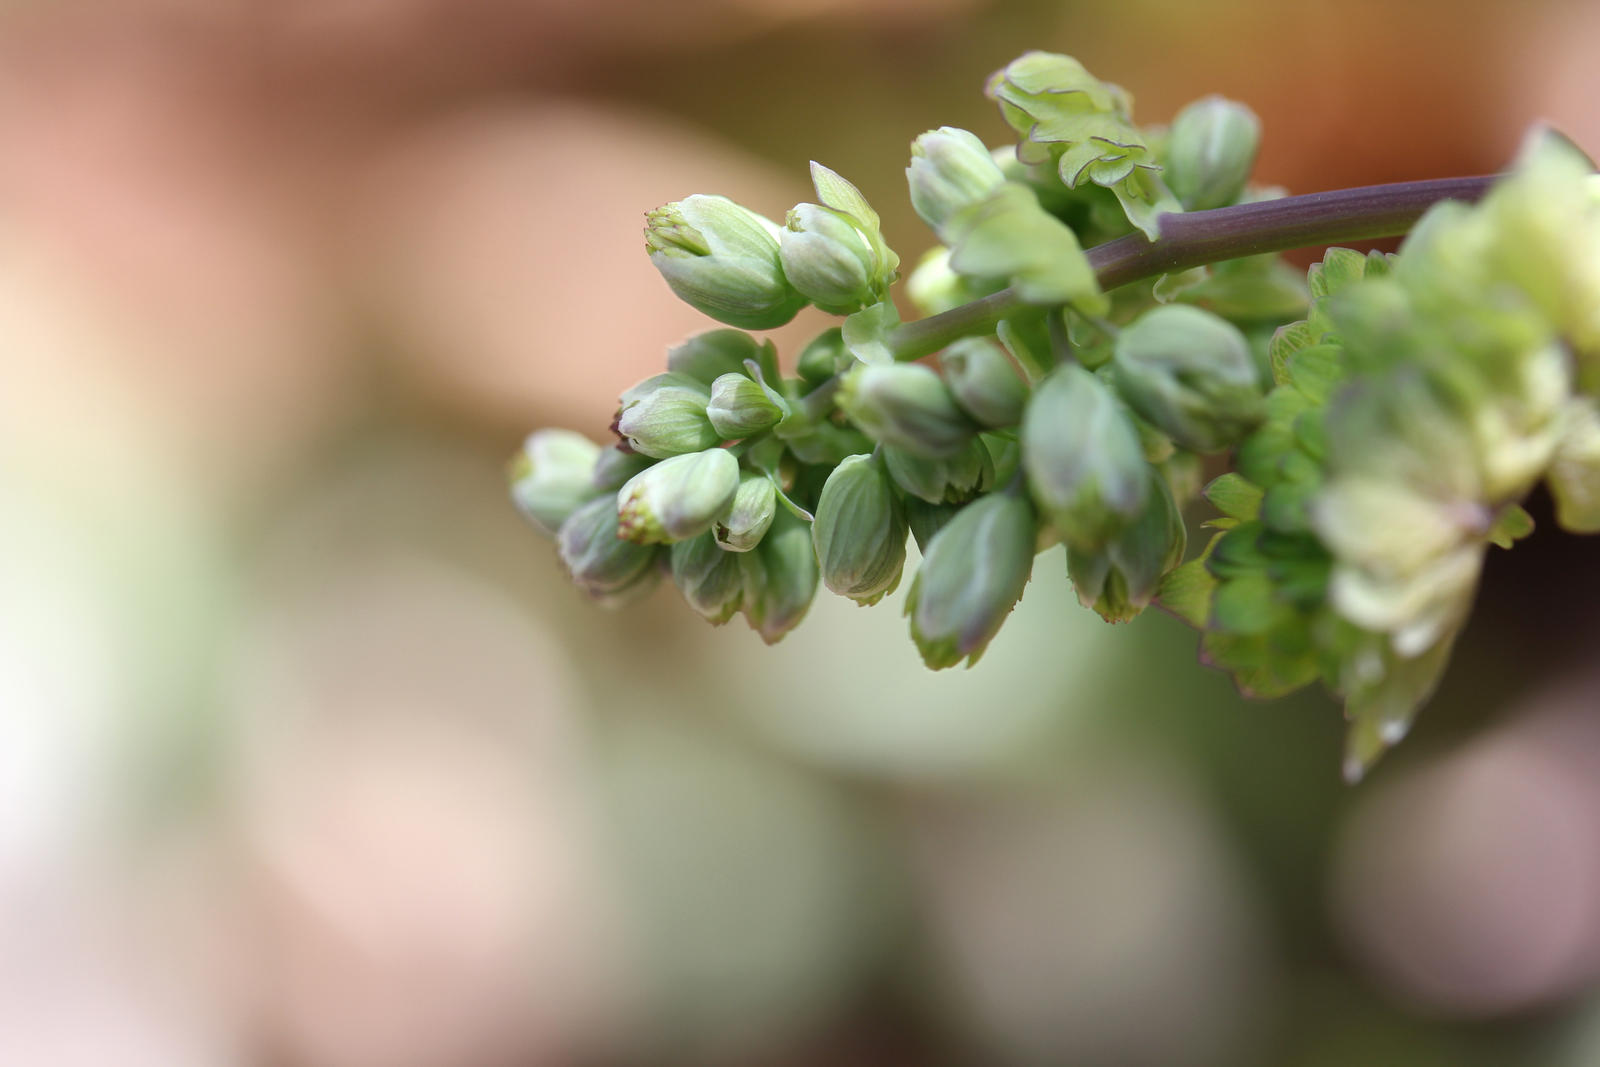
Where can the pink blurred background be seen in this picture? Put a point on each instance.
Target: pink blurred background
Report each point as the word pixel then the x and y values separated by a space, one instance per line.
pixel 309 756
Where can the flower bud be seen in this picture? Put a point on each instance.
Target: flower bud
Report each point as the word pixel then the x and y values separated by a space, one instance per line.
pixel 665 416
pixel 1120 581
pixel 953 480
pixel 984 382
pixel 950 170
pixel 829 260
pixel 780 578
pixel 710 579
pixel 1082 458
pixel 972 575
pixel 1210 150
pixel 678 498
pixel 746 522
pixel 723 260
pixel 741 407
pixel 616 466
pixel 927 519
pixel 603 565
pixel 906 405
pixel 860 531
pixel 824 357
pixel 1191 374
pixel 550 477
pixel 705 357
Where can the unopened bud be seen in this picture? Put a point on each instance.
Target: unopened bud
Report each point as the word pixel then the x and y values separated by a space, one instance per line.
pixel 678 498
pixel 551 476
pixel 665 415
pixel 824 357
pixel 723 260
pixel 1120 581
pixel 1210 151
pixel 953 480
pixel 754 507
pixel 1082 457
pixel 705 357
pixel 950 170
pixel 860 531
pixel 616 466
pixel 601 563
pixel 973 573
pixel 1191 374
pixel 829 259
pixel 710 579
pixel 741 407
pixel 984 382
pixel 906 405
pixel 780 578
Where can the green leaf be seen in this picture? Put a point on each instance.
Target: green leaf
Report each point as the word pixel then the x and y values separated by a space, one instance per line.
pixel 1245 605
pixel 1187 591
pixel 1511 524
pixel 1285 342
pixel 1234 496
pixel 866 333
pixel 1008 235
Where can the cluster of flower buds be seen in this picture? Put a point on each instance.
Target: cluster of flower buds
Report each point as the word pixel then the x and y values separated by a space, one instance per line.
pixel 1369 450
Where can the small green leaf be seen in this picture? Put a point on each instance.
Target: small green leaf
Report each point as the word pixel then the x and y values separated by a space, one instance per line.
pixel 1234 496
pixel 1285 342
pixel 1512 524
pixel 1186 593
pixel 1245 605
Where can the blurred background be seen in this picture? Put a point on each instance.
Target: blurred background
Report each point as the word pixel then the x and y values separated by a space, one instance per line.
pixel 310 757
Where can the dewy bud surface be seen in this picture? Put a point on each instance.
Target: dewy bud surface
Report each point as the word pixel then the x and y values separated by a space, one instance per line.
pixel 908 406
pixel 972 575
pixel 950 170
pixel 1191 374
pixel 860 531
pixel 723 260
pixel 552 476
pixel 678 498
pixel 1085 467
pixel 1211 149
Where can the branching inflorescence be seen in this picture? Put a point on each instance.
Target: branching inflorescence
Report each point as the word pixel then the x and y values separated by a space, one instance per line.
pixel 1371 427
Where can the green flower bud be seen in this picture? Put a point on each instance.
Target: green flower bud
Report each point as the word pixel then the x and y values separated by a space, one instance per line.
pixel 746 523
pixel 984 381
pixel 678 498
pixel 780 578
pixel 953 480
pixel 741 407
pixel 927 519
pixel 665 416
pixel 824 357
pixel 602 564
pixel 972 575
pixel 723 260
pixel 705 357
pixel 860 531
pixel 950 170
pixel 550 477
pixel 823 442
pixel 829 260
pixel 1191 374
pixel 1082 457
pixel 906 405
pixel 710 579
pixel 1119 582
pixel 615 467
pixel 1210 150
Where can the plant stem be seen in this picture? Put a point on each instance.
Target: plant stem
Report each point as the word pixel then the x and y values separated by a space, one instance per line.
pixel 1196 238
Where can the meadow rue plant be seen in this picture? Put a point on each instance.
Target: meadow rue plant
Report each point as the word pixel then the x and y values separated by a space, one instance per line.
pixel 1106 306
